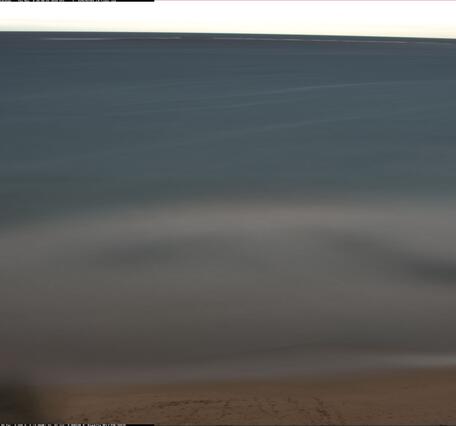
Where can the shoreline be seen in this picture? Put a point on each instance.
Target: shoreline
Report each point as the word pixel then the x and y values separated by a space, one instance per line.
pixel 421 396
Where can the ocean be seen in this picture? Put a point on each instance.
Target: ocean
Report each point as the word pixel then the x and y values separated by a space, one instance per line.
pixel 193 206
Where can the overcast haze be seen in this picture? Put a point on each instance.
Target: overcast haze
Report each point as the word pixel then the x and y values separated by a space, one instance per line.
pixel 389 18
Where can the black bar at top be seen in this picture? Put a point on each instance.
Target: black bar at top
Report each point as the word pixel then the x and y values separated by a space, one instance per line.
pixel 71 1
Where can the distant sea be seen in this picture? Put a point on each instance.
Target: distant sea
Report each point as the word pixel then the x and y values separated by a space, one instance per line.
pixel 195 206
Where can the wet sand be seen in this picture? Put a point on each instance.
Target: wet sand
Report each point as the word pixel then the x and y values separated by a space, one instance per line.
pixel 411 397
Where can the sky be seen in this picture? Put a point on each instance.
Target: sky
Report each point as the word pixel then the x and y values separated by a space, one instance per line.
pixel 360 17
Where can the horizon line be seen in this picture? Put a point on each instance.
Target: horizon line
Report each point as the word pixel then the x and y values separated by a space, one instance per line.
pixel 228 33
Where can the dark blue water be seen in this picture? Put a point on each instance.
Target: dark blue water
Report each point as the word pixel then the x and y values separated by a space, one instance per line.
pixel 184 206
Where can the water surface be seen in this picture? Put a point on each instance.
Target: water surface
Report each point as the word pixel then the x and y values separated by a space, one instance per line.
pixel 179 207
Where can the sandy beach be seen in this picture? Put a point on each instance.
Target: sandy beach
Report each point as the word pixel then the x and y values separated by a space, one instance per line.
pixel 406 397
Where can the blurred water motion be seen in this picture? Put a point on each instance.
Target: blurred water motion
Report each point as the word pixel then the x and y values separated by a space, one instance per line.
pixel 192 208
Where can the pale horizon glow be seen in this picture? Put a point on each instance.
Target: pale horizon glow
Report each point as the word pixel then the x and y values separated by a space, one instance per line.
pixel 363 18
